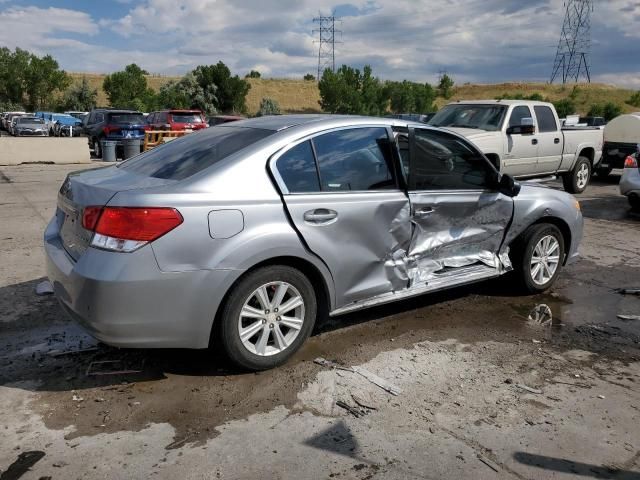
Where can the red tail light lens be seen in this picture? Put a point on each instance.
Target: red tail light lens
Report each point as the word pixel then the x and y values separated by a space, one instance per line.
pixel 143 224
pixel 110 129
pixel 630 162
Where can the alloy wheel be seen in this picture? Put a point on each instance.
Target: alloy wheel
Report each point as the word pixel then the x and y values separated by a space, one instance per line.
pixel 582 176
pixel 545 260
pixel 271 318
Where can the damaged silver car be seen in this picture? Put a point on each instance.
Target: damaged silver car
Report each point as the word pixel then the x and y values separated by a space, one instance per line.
pixel 246 232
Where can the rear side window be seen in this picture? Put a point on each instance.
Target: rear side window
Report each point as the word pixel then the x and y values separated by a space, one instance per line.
pixel 546 119
pixel 355 159
pixel 297 167
pixel 193 153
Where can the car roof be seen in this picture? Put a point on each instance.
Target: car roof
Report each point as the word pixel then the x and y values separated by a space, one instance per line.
pixel 282 122
pixel 498 102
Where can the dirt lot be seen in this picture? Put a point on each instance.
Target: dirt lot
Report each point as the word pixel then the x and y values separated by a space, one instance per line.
pixel 494 385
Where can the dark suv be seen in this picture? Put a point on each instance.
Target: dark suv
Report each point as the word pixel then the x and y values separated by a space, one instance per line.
pixel 110 124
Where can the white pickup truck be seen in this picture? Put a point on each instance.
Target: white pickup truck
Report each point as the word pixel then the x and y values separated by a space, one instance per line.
pixel 525 139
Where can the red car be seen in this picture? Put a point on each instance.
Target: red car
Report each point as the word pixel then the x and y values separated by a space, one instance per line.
pixel 177 120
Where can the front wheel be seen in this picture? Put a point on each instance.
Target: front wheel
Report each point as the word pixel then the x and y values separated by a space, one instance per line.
pixel 97 148
pixel 267 317
pixel 576 180
pixel 538 256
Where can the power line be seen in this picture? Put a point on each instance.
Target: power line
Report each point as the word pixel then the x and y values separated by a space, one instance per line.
pixel 326 42
pixel 572 55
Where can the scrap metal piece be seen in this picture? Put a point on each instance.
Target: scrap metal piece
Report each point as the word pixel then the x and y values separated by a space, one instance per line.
pixel 488 463
pixel 529 389
pixel 628 291
pixel 353 411
pixel 91 371
pixel 44 288
pixel 59 353
pixel 372 377
pixel 629 317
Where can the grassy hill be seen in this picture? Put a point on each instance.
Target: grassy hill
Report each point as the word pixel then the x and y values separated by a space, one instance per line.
pixel 302 96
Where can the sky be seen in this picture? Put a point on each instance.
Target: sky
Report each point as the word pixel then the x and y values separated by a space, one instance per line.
pixel 479 41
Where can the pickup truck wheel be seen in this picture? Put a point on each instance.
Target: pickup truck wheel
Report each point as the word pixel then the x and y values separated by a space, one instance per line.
pixel 97 148
pixel 576 180
pixel 267 317
pixel 538 255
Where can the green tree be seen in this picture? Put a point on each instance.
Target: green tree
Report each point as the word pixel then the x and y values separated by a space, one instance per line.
pixel 611 111
pixel 309 77
pixel 231 91
pixel 42 79
pixel 253 74
pixel 401 97
pixel 80 97
pixel 128 89
pixel 188 93
pixel 634 100
pixel 268 106
pixel 349 91
pixel 565 107
pixel 596 110
pixel 13 73
pixel 445 86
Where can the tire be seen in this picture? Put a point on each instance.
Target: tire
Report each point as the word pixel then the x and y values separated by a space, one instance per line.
pixel 97 148
pixel 603 172
pixel 248 353
pixel 524 250
pixel 575 181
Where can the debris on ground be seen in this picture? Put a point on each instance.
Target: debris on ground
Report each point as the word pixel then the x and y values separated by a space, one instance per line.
pixel 44 288
pixel 488 463
pixel 629 317
pixel 62 353
pixel 353 411
pixel 528 389
pixel 372 377
pixel 628 291
pixel 95 368
pixel 363 400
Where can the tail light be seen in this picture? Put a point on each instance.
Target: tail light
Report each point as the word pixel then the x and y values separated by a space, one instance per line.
pixel 125 229
pixel 107 129
pixel 630 162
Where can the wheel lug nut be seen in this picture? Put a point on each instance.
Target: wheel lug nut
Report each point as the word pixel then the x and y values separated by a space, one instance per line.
pixel 271 325
pixel 267 312
pixel 264 321
pixel 275 310
pixel 278 319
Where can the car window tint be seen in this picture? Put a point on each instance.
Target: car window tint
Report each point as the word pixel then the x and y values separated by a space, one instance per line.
pixel 518 114
pixel 546 119
pixel 297 167
pixel 127 118
pixel 190 154
pixel 355 159
pixel 441 161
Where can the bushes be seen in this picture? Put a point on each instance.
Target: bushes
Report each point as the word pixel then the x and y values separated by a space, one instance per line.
pixel 268 106
pixel 350 91
pixel 634 100
pixel 410 97
pixel 565 107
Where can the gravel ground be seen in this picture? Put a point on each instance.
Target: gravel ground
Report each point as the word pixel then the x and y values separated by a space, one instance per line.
pixel 493 384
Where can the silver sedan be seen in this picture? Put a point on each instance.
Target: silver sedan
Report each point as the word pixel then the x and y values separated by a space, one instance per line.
pixel 630 181
pixel 249 231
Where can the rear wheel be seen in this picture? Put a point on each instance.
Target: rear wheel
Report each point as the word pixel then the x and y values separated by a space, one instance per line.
pixel 267 317
pixel 97 148
pixel 538 256
pixel 576 180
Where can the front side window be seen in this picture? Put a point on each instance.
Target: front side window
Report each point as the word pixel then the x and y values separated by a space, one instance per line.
pixel 518 114
pixel 297 167
pixel 355 159
pixel 441 161
pixel 546 119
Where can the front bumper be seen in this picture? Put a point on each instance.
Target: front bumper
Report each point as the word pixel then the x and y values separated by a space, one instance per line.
pixel 124 300
pixel 29 133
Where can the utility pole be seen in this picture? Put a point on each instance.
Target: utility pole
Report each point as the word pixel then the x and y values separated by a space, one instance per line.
pixel 326 42
pixel 572 56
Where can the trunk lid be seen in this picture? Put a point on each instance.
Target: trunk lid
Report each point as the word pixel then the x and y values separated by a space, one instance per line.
pixel 92 188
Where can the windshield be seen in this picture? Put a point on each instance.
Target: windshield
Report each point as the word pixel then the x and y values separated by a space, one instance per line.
pixel 186 156
pixel 483 117
pixel 127 118
pixel 30 120
pixel 186 117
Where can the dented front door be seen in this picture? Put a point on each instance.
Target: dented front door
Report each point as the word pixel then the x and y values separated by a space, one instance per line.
pixel 458 218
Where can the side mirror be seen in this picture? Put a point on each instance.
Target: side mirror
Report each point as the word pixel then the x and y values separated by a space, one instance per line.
pixel 508 186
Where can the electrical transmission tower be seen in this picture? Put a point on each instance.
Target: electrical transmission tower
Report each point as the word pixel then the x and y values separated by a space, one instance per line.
pixel 326 42
pixel 572 56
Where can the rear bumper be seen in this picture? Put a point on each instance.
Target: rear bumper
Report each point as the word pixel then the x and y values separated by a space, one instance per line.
pixel 630 182
pixel 125 300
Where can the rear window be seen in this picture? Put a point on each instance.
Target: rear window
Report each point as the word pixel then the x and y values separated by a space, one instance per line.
pixel 30 120
pixel 186 117
pixel 127 118
pixel 186 156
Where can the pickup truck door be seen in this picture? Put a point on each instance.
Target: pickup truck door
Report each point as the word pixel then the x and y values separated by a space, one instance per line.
pixel 521 151
pixel 550 140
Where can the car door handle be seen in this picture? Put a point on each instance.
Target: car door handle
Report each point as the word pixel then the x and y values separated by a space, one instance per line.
pixel 425 210
pixel 320 215
pixel 556 140
pixel 534 141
